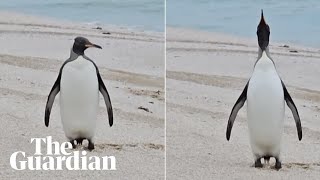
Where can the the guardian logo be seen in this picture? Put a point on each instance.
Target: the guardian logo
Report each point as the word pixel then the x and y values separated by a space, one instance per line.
pixel 59 159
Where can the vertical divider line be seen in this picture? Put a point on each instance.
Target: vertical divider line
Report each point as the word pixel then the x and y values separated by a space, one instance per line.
pixel 165 89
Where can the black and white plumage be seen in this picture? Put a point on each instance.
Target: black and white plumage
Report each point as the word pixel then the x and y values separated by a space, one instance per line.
pixel 79 83
pixel 265 94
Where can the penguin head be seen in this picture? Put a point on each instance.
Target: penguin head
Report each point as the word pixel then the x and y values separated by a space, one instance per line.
pixel 263 33
pixel 81 44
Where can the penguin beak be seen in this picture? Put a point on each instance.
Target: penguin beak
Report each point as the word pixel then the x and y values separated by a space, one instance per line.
pixel 89 44
pixel 263 33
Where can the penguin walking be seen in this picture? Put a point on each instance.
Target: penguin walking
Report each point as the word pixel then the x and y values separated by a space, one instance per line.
pixel 79 83
pixel 265 94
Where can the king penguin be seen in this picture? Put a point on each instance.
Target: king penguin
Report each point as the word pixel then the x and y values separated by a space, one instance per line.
pixel 79 83
pixel 266 95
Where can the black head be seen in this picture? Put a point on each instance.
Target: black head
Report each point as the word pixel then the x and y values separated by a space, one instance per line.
pixel 263 33
pixel 81 44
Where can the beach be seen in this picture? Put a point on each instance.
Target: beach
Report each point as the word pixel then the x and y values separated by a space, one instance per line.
pixel 206 72
pixel 32 50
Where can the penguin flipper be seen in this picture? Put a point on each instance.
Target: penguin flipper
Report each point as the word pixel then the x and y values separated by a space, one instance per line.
pixel 238 105
pixel 293 109
pixel 54 91
pixel 104 92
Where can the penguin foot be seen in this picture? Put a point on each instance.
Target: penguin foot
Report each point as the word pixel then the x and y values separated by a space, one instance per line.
pixel 278 164
pixel 258 164
pixel 73 145
pixel 266 159
pixel 79 141
pixel 91 145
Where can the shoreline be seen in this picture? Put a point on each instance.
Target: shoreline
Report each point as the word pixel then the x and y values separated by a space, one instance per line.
pixel 230 36
pixel 15 23
pixel 44 19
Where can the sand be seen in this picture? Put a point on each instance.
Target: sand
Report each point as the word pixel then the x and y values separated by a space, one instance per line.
pixel 206 72
pixel 32 49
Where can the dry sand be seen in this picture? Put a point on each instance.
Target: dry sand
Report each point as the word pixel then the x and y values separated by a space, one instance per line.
pixel 131 63
pixel 206 72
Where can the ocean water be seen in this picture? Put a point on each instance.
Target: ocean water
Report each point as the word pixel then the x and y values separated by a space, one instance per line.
pixel 291 21
pixel 140 14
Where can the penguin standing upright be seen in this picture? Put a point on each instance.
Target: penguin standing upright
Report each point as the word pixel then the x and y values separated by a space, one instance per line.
pixel 265 94
pixel 79 83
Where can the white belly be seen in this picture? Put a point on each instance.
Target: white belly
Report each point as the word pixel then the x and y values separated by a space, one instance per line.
pixel 79 98
pixel 265 111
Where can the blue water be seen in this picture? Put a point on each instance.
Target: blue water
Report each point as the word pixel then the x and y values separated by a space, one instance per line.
pixel 141 14
pixel 291 21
